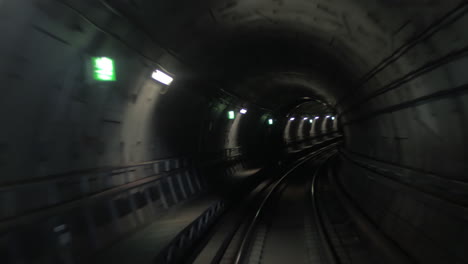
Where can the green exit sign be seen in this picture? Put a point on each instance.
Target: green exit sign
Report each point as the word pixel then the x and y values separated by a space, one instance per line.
pixel 103 69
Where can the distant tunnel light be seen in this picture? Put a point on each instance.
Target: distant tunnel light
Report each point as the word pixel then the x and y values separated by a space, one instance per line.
pixel 104 69
pixel 310 121
pixel 305 118
pixel 292 119
pixel 332 118
pixel 162 77
pixel 231 115
pixel 327 116
pixel 317 117
pixel 270 121
pixel 243 111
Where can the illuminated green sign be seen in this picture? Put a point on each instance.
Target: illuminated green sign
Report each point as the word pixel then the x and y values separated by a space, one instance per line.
pixel 103 69
pixel 231 115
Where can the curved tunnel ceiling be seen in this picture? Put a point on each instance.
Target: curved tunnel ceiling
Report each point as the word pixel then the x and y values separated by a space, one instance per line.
pixel 284 61
pixel 265 50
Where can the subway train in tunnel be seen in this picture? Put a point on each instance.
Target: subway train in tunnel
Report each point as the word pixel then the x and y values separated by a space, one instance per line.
pixel 234 131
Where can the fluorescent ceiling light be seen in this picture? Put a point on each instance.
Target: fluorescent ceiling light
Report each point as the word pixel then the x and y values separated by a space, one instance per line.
pixel 317 117
pixel 243 111
pixel 162 77
pixel 292 118
pixel 305 118
pixel 327 117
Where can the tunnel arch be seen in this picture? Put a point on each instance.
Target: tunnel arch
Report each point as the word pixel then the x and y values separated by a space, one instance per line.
pixel 391 72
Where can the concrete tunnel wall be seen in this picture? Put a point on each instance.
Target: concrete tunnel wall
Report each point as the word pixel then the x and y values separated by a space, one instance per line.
pixel 59 123
pixel 55 121
pixel 415 127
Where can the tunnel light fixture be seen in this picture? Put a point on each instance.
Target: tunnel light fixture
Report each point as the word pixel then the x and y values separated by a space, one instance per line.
pixel 305 118
pixel 327 116
pixel 292 119
pixel 332 118
pixel 311 121
pixel 162 77
pixel 231 115
pixel 103 69
pixel 243 111
pixel 270 121
pixel 317 117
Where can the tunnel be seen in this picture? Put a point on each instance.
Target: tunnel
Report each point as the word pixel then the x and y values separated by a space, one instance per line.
pixel 150 131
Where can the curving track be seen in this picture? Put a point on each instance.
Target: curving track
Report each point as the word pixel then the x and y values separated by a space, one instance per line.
pixel 283 220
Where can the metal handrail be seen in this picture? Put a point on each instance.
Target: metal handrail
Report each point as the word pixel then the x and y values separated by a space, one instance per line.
pixel 45 212
pixel 85 196
pixel 80 173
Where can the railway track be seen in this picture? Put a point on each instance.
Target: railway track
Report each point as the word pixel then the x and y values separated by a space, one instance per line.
pixel 281 222
pixel 286 227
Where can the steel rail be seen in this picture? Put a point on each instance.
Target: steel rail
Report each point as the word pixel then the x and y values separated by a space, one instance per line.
pixel 245 241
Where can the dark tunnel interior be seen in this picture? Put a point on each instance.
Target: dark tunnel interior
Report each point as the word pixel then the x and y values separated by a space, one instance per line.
pixel 94 148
